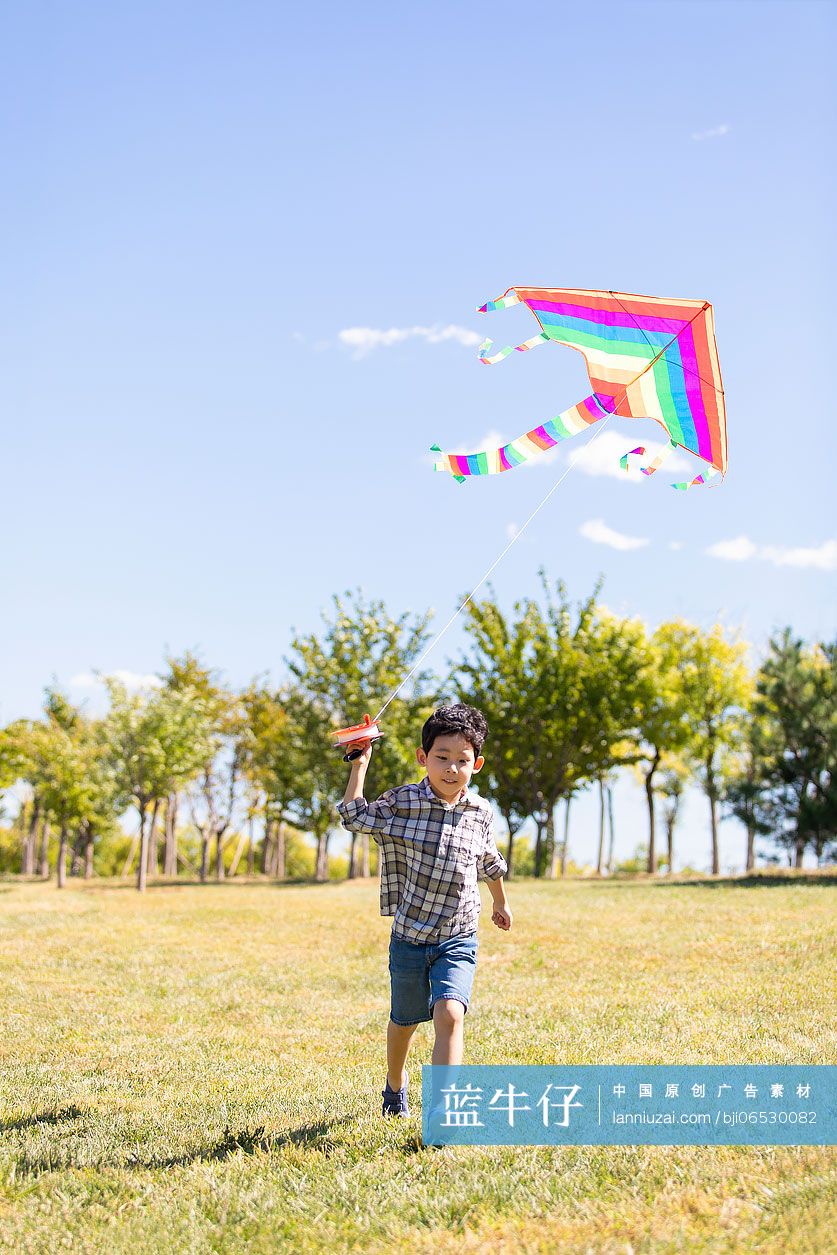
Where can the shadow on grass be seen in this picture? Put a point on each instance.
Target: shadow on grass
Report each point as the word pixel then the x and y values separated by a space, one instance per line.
pixel 754 881
pixel 247 1141
pixel 42 1118
pixel 182 882
pixel 251 1142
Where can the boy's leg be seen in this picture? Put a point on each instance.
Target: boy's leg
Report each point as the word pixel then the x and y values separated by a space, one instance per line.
pixel 449 1023
pixel 399 1037
pixel 451 981
pixel 410 989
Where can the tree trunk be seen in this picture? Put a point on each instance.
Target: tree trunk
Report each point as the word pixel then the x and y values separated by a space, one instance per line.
pixel 43 858
pixel 152 850
pixel 364 855
pixel 28 866
pixel 88 854
pixel 670 843
pixel 350 874
pixel 219 856
pixel 751 847
pixel 713 822
pixel 798 851
pixel 600 856
pixel 77 851
pixel 322 857
pixel 611 842
pixel 268 829
pixel 236 858
pixel 652 828
pixel 170 849
pixel 22 828
pixel 251 848
pixel 566 842
pixel 550 843
pixel 281 835
pixel 204 856
pixel 62 857
pixel 555 863
pixel 538 846
pixel 142 870
pixel 510 850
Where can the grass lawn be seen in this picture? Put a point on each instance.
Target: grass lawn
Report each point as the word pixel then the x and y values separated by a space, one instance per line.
pixel 200 1069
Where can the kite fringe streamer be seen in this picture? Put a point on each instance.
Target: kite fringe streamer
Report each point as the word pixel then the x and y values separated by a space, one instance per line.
pixel 510 348
pixel 709 478
pixel 661 457
pixel 502 302
pixel 639 450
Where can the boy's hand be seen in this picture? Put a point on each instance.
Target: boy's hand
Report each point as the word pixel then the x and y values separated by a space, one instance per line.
pixel 364 756
pixel 502 917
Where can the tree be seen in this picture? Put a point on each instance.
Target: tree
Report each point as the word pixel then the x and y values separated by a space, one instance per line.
pixel 156 742
pixel 662 715
pixel 671 788
pixel 795 734
pixel 270 749
pixel 717 689
pixel 61 758
pixel 215 789
pixel 748 794
pixel 492 678
pixel 558 688
pixel 351 668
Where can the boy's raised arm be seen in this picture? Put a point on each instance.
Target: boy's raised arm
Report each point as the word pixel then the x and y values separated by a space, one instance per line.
pixel 357 776
pixel 357 814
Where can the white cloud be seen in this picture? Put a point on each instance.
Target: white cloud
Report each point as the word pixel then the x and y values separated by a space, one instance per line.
pixel 601 457
pixel 738 550
pixel 714 132
pixel 820 557
pixel 675 544
pixel 512 530
pixel 823 557
pixel 598 531
pixel 364 339
pixel 132 680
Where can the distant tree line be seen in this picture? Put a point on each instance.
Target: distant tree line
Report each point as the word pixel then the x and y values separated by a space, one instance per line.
pixel 227 782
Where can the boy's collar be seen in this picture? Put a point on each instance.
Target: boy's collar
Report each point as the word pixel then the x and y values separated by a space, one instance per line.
pixel 465 796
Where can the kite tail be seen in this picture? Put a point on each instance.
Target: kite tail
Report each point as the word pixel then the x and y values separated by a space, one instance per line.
pixel 706 478
pixel 541 338
pixel 652 466
pixel 502 302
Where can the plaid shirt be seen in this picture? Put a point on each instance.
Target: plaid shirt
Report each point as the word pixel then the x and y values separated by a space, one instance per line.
pixel 432 853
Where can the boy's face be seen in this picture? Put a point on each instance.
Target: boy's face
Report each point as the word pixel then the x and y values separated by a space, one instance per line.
pixel 449 763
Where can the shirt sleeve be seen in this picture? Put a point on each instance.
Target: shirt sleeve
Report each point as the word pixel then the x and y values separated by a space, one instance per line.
pixel 491 865
pixel 372 817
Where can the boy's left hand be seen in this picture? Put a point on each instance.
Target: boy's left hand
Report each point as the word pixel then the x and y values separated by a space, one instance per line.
pixel 502 917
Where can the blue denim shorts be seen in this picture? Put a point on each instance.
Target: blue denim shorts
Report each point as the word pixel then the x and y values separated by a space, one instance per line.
pixel 422 974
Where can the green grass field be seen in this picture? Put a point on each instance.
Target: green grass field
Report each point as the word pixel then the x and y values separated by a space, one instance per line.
pixel 200 1069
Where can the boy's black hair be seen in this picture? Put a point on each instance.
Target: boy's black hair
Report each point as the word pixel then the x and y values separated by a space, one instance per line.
pixel 448 720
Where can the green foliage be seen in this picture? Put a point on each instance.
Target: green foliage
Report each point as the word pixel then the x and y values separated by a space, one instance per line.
pixel 571 694
pixel 157 741
pixel 787 783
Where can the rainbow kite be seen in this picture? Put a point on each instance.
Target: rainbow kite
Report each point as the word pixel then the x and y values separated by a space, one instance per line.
pixel 647 357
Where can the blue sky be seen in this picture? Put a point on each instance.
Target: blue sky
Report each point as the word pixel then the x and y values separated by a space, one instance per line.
pixel 200 198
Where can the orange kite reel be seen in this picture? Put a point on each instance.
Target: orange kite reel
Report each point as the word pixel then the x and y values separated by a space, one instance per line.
pixel 356 738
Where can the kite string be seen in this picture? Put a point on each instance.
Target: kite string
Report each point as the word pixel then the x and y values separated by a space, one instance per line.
pixel 599 429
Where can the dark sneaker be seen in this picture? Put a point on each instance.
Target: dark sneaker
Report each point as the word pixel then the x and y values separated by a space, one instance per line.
pixel 395 1100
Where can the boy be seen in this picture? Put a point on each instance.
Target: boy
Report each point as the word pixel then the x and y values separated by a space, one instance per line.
pixel 436 842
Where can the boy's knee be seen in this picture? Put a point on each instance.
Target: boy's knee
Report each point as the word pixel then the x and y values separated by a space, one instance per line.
pixel 405 1030
pixel 448 1012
